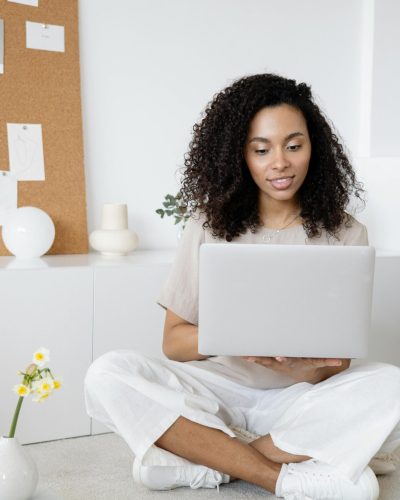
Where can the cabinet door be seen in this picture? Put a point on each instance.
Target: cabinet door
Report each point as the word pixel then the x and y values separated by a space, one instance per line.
pixel 384 340
pixel 126 313
pixel 50 308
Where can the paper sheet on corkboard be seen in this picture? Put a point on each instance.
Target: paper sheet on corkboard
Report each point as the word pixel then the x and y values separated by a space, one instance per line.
pixel 43 87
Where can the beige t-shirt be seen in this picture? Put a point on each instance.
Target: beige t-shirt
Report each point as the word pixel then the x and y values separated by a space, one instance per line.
pixel 180 292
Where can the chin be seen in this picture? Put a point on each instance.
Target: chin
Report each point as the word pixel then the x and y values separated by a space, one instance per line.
pixel 282 195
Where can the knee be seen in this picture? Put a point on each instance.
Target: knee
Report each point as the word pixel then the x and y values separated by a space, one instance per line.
pixel 391 372
pixel 110 364
pixel 386 377
pixel 386 370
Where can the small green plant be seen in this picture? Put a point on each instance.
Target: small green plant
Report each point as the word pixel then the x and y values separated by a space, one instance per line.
pixel 173 206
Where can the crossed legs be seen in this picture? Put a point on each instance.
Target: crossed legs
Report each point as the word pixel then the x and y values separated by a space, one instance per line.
pixel 258 463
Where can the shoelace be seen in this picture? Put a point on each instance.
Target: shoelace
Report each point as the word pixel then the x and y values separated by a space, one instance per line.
pixel 205 475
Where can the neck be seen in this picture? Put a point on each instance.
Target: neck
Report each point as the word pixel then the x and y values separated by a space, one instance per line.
pixel 275 213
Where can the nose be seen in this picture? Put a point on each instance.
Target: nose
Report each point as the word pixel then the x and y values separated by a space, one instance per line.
pixel 280 160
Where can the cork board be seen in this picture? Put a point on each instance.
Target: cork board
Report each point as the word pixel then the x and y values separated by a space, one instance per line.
pixel 43 87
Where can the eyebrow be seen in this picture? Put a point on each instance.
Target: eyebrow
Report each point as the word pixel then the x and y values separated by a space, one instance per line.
pixel 265 139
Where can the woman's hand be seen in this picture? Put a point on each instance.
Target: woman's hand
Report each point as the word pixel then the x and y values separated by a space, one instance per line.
pixel 311 370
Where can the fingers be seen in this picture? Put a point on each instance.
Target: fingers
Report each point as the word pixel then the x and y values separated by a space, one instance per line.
pixel 289 361
pixel 262 360
pixel 332 362
pixel 321 362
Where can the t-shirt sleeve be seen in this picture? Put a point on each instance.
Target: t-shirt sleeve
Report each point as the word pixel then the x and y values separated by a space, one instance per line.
pixel 180 292
pixel 354 233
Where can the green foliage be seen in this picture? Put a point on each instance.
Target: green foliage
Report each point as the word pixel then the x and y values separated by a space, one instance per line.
pixel 173 207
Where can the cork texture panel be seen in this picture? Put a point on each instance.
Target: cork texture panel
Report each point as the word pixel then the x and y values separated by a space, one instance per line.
pixel 43 87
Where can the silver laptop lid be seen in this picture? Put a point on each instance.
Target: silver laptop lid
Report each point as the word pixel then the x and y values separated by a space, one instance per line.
pixel 285 300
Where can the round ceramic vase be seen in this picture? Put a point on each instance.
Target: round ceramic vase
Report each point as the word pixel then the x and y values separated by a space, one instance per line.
pixel 114 238
pixel 18 472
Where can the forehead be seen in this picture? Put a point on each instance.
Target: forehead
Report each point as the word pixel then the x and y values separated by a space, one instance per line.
pixel 276 120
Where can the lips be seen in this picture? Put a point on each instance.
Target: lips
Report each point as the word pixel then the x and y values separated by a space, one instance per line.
pixel 282 183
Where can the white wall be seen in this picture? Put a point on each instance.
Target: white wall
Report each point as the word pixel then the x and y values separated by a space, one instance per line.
pixel 385 104
pixel 149 68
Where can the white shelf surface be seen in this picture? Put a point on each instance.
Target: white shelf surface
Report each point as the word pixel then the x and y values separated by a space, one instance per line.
pixel 140 257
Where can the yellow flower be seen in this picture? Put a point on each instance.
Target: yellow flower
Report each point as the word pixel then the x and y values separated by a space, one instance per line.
pixel 41 357
pixel 57 383
pixel 21 390
pixel 41 398
pixel 43 386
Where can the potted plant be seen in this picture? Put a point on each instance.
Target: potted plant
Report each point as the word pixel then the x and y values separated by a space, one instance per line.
pixel 18 472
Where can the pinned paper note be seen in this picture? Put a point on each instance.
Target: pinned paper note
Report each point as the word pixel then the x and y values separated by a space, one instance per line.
pixel 45 36
pixel 33 3
pixel 1 46
pixel 25 148
pixel 8 194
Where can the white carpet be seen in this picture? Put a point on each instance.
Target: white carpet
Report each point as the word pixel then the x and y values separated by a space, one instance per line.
pixel 99 468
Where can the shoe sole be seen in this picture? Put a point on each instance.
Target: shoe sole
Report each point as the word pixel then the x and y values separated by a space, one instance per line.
pixel 137 478
pixel 136 471
pixel 373 480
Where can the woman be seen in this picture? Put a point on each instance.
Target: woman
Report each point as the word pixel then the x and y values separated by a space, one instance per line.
pixel 264 167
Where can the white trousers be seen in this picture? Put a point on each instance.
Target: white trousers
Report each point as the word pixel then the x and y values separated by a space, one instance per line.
pixel 343 421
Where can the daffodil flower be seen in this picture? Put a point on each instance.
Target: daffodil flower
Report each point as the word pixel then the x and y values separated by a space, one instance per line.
pixel 57 383
pixel 41 398
pixel 36 380
pixel 43 386
pixel 41 357
pixel 21 390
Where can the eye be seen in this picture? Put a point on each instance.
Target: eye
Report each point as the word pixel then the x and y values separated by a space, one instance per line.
pixel 293 147
pixel 261 151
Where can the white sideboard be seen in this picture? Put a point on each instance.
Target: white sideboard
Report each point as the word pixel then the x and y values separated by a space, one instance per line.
pixel 78 306
pixel 81 306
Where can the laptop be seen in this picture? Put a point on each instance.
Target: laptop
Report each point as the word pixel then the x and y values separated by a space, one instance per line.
pixel 285 300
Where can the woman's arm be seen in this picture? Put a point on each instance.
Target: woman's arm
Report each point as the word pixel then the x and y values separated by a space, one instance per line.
pixel 180 341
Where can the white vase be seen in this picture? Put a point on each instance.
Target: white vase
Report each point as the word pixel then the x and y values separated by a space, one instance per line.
pixel 114 237
pixel 28 232
pixel 18 472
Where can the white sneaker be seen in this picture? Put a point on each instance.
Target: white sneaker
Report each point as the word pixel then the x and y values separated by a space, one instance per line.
pixel 162 470
pixel 316 480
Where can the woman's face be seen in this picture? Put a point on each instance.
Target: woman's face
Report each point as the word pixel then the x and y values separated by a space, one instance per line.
pixel 278 151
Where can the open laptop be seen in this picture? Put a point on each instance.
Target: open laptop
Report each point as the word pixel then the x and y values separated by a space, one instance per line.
pixel 285 300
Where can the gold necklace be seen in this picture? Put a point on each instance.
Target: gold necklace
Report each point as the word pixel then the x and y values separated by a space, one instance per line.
pixel 268 237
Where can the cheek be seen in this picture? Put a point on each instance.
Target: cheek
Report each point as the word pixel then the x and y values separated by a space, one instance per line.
pixel 257 171
pixel 255 164
pixel 303 164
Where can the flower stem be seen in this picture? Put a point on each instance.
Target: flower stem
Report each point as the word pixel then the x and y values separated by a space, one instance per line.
pixel 15 418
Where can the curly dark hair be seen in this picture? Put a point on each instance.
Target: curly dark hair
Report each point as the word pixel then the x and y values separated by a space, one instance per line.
pixel 217 182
